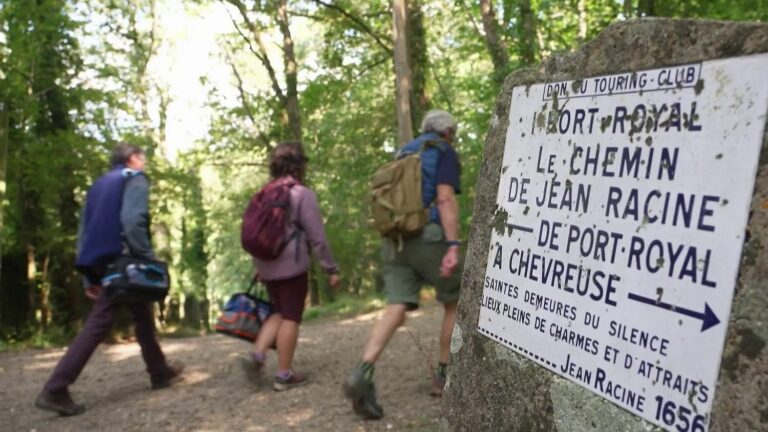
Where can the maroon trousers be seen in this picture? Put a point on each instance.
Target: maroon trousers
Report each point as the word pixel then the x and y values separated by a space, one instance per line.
pixel 97 327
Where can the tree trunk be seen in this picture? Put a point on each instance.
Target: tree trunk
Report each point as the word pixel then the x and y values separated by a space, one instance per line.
pixel 628 9
pixel 45 293
pixel 493 42
pixel 289 100
pixel 30 222
pixel 14 298
pixel 291 70
pixel 66 297
pixel 173 312
pixel 192 317
pixel 205 312
pixel 528 46
pixel 32 283
pixel 646 8
pixel 402 72
pixel 582 7
pixel 3 165
pixel 418 60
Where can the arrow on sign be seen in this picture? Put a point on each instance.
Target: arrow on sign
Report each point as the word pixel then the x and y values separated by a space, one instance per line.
pixel 708 318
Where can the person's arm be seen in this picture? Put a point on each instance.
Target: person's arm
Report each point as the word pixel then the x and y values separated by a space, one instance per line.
pixel 134 216
pixel 448 207
pixel 311 222
pixel 448 185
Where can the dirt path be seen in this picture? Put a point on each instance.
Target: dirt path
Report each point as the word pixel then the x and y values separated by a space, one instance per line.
pixel 215 395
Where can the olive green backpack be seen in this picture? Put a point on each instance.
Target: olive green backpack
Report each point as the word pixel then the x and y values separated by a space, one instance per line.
pixel 396 199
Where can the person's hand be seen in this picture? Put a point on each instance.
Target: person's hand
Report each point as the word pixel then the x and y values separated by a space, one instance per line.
pixel 450 262
pixel 93 291
pixel 334 281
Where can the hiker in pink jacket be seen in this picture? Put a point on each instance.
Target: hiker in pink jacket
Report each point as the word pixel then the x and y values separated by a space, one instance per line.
pixel 286 276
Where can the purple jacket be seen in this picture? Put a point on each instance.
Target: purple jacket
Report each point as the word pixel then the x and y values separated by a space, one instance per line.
pixel 295 259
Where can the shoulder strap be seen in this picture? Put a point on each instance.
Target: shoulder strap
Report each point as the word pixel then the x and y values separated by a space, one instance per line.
pixel 438 144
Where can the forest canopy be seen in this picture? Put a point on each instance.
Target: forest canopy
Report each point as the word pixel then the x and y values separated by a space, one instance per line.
pixel 209 87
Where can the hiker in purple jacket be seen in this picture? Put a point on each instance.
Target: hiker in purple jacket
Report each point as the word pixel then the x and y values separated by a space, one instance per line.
pixel 286 276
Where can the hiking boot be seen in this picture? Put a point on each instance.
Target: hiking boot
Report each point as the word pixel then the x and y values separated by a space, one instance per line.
pixel 252 368
pixel 438 384
pixel 171 375
pixel 362 393
pixel 367 406
pixel 294 379
pixel 61 404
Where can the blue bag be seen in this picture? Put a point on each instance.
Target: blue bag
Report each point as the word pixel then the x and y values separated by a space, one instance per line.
pixel 133 279
pixel 243 315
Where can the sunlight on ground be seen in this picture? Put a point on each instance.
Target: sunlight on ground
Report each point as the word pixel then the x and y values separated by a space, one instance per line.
pixel 361 318
pixel 118 353
pixel 373 316
pixel 296 418
pixel 248 429
pixel 40 365
pixel 54 355
pixel 177 347
pixel 195 377
pixel 307 340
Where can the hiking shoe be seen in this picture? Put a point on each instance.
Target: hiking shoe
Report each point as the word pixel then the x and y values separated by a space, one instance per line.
pixel 171 375
pixel 356 384
pixel 362 393
pixel 61 404
pixel 294 379
pixel 438 384
pixel 252 368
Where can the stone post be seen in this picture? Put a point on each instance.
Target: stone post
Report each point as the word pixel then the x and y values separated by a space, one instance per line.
pixel 492 387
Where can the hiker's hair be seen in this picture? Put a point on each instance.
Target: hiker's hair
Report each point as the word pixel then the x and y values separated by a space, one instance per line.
pixel 123 152
pixel 438 121
pixel 288 159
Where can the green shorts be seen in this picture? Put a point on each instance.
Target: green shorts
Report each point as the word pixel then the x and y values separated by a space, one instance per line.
pixel 416 265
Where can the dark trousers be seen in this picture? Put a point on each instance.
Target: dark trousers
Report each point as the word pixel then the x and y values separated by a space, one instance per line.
pixel 96 328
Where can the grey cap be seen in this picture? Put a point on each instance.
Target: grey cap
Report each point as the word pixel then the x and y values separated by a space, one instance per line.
pixel 438 121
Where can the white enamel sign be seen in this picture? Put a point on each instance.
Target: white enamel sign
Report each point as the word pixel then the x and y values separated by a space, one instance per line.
pixel 625 201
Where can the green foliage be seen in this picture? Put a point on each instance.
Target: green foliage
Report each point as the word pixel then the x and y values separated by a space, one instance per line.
pixel 345 306
pixel 34 337
pixel 75 77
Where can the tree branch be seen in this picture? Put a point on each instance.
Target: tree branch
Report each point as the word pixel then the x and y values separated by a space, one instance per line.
pixel 240 88
pixel 471 18
pixel 262 51
pixel 260 164
pixel 305 15
pixel 291 71
pixel 244 101
pixel 369 67
pixel 364 27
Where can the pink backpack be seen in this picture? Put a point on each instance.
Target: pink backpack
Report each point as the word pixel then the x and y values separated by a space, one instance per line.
pixel 264 232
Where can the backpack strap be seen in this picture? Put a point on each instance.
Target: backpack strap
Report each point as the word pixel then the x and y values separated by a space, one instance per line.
pixel 438 144
pixel 297 227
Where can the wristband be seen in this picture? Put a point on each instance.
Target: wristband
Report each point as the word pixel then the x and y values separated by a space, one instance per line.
pixel 453 243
